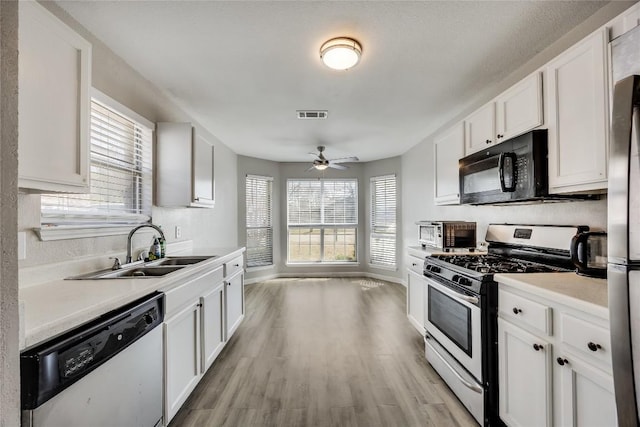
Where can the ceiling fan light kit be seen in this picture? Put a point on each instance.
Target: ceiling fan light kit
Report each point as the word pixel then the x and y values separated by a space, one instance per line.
pixel 340 53
pixel 322 163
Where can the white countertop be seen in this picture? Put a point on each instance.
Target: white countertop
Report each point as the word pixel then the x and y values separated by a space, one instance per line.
pixel 585 293
pixel 51 308
pixel 422 252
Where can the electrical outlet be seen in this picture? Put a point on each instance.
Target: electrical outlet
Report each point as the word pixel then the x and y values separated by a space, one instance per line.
pixel 178 232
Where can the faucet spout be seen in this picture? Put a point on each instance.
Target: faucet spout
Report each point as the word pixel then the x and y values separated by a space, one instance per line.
pixel 131 233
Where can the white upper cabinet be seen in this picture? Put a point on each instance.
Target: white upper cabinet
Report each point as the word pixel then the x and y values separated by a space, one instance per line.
pixel 626 21
pixel 184 167
pixel 577 116
pixel 447 150
pixel 480 129
pixel 54 81
pixel 512 113
pixel 519 109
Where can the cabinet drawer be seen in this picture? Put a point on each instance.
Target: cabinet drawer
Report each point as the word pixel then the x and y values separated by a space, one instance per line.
pixel 233 266
pixel 520 310
pixel 591 341
pixel 415 264
pixel 191 290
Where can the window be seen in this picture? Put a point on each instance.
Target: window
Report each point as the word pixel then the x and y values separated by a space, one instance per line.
pixel 322 221
pixel 259 221
pixel 121 177
pixel 382 243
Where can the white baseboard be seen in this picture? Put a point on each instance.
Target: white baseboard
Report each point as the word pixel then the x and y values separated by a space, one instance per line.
pixel 327 274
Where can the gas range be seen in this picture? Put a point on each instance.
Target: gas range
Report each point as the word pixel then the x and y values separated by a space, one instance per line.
pixel 461 304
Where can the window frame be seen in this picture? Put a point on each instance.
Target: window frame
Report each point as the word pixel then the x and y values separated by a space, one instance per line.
pixel 323 226
pixel 93 224
pixel 372 226
pixel 270 215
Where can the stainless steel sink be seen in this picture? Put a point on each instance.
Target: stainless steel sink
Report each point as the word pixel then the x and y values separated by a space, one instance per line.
pixel 151 269
pixel 180 260
pixel 128 273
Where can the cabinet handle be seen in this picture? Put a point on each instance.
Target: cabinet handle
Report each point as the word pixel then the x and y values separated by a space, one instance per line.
pixel 500 136
pixel 237 265
pixel 488 141
pixel 593 346
pixel 516 310
pixel 561 361
pixel 538 347
pixel 414 264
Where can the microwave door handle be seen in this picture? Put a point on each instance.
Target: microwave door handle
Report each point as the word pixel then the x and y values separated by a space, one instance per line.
pixel 501 162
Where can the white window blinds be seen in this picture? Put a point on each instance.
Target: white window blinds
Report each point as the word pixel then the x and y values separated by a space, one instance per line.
pixel 322 219
pixel 259 191
pixel 382 244
pixel 121 176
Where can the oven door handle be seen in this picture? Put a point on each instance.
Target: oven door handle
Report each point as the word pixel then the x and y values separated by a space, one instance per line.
pixel 457 295
pixel 468 384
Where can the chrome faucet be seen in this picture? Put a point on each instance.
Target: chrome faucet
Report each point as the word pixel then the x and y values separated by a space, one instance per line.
pixel 155 227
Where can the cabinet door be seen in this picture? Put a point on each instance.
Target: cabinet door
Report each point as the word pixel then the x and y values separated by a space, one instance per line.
pixel 174 145
pixel 577 108
pixel 524 377
pixel 586 396
pixel 212 325
pixel 480 129
pixel 54 80
pixel 203 182
pixel 416 286
pixel 182 358
pixel 234 295
pixel 519 109
pixel 447 150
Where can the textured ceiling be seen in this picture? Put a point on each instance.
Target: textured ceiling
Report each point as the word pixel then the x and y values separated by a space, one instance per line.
pixel 242 69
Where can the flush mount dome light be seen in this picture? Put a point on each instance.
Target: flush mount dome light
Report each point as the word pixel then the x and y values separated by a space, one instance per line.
pixel 340 53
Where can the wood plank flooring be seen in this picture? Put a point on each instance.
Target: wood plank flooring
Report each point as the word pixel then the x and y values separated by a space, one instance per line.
pixel 323 352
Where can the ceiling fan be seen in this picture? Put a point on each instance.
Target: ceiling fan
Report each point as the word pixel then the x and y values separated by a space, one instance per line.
pixel 322 163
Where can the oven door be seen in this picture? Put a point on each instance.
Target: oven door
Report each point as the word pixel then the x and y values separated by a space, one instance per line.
pixel 453 319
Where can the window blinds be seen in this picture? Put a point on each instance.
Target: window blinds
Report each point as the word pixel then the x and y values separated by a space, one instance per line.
pixel 120 176
pixel 259 191
pixel 322 202
pixel 383 221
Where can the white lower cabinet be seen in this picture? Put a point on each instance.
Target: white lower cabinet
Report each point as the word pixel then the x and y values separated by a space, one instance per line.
pixel 525 377
pixel 192 334
pixel 182 357
pixel 234 302
pixel 554 362
pixel 213 331
pixel 416 285
pixel 585 393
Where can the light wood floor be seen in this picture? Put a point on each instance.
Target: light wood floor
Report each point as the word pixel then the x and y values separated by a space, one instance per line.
pixel 323 352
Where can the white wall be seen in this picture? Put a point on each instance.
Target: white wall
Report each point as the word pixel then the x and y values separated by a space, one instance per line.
pixel 205 227
pixel 9 352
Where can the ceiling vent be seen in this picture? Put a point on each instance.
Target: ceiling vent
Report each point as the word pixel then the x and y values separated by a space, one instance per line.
pixel 312 114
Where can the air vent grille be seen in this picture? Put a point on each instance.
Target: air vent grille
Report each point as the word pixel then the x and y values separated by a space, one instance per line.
pixel 312 114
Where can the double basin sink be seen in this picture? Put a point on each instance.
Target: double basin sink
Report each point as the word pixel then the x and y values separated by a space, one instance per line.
pixel 142 270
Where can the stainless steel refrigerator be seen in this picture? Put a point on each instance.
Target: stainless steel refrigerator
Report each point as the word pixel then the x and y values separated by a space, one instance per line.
pixel 624 226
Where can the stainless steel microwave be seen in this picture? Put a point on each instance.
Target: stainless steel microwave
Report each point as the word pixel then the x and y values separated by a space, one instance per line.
pixel 512 171
pixel 447 235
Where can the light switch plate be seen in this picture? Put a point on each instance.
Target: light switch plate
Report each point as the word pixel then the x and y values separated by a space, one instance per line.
pixel 178 232
pixel 22 245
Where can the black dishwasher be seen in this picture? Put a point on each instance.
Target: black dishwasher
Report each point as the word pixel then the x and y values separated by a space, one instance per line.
pixel 98 370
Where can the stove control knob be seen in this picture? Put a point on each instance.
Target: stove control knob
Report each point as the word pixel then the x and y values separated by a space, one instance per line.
pixel 435 269
pixel 464 281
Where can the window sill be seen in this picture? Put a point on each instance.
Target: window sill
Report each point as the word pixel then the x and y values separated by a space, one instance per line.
pixel 322 264
pixel 47 234
pixel 384 267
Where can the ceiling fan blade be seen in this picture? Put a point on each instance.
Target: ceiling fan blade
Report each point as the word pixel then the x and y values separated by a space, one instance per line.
pixel 310 169
pixel 334 166
pixel 345 160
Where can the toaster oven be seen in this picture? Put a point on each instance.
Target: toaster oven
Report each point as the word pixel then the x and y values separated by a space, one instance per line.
pixel 447 235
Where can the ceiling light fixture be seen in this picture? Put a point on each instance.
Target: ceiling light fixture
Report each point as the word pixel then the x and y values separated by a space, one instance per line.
pixel 340 53
pixel 321 166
